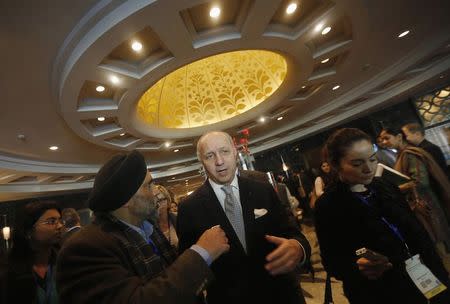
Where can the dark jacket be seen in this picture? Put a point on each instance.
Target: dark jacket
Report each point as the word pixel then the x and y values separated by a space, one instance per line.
pixel 437 154
pixel 102 264
pixel 17 280
pixel 240 276
pixel 345 224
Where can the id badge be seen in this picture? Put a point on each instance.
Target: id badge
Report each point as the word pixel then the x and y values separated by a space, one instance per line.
pixel 424 279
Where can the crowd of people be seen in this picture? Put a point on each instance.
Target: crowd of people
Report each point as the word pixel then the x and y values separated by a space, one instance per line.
pixel 237 238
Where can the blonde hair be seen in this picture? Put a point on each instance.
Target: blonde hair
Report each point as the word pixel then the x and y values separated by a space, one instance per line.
pixel 165 192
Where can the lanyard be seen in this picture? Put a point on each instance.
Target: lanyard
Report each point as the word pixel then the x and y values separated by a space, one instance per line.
pixel 392 227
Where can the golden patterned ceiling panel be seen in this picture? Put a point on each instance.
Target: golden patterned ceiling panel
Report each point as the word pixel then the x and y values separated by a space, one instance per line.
pixel 212 89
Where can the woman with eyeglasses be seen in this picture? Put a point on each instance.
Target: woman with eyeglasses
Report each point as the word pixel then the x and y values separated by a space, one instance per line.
pixel 166 219
pixel 31 261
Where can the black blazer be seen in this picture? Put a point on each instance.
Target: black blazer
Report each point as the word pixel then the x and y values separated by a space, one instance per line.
pixel 240 276
pixel 345 224
pixel 437 154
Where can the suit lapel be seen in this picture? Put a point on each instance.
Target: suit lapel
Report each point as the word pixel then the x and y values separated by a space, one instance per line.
pixel 217 216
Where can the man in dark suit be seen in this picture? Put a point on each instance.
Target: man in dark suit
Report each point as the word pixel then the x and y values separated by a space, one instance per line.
pixel 265 246
pixel 72 222
pixel 415 135
pixel 122 257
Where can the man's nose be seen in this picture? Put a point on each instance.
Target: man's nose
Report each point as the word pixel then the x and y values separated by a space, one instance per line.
pixel 219 160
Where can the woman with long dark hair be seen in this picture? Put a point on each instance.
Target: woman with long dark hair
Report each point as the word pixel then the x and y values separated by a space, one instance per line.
pixel 431 183
pixel 31 261
pixel 324 179
pixel 359 211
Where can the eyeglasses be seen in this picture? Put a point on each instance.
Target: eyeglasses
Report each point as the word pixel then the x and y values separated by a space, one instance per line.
pixel 53 221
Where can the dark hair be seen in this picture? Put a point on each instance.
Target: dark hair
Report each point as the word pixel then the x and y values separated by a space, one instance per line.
pixel 327 178
pixel 414 128
pixel 70 217
pixel 21 248
pixel 337 144
pixel 394 130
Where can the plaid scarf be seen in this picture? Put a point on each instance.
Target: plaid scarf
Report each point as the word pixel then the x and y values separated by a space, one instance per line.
pixel 147 263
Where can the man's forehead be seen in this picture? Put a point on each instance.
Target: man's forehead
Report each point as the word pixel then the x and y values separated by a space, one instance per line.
pixel 215 141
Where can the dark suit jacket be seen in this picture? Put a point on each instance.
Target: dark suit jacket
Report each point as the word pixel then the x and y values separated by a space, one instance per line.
pixel 240 276
pixel 345 224
pixel 68 234
pixel 94 266
pixel 437 154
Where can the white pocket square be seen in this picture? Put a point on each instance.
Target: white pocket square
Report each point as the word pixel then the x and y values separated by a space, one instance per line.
pixel 259 212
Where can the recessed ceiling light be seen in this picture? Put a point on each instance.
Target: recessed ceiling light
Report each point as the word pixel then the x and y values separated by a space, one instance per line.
pixel 173 177
pixel 114 79
pixel 136 46
pixel 53 148
pixel 262 119
pixel 122 134
pixel 280 118
pixel 214 12
pixel 326 30
pixel 291 8
pixel 403 34
pixel 101 118
pixel 336 87
pixel 167 144
pixel 325 60
pixel 100 88
pixel 318 27
pixel 303 87
pixel 176 150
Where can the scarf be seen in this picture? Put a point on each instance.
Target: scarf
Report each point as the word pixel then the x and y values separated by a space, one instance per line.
pixel 433 170
pixel 147 263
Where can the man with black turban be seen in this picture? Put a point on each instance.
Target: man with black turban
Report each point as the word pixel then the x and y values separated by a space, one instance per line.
pixel 122 257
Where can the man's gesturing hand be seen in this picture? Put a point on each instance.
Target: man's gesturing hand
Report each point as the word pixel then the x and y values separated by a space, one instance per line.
pixel 285 257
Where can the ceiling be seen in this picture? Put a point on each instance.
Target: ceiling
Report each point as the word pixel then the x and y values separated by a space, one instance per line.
pixel 57 52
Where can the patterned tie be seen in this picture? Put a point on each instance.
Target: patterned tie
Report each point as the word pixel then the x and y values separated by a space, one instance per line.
pixel 233 211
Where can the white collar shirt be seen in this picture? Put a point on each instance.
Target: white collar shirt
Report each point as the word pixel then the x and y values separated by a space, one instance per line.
pixel 220 194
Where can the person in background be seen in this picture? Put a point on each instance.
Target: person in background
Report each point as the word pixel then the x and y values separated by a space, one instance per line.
pixel 265 245
pixel 433 187
pixel 324 179
pixel 166 219
pixel 31 261
pixel 415 135
pixel 362 211
pixel 72 222
pixel 384 155
pixel 174 207
pixel 289 202
pixel 123 258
